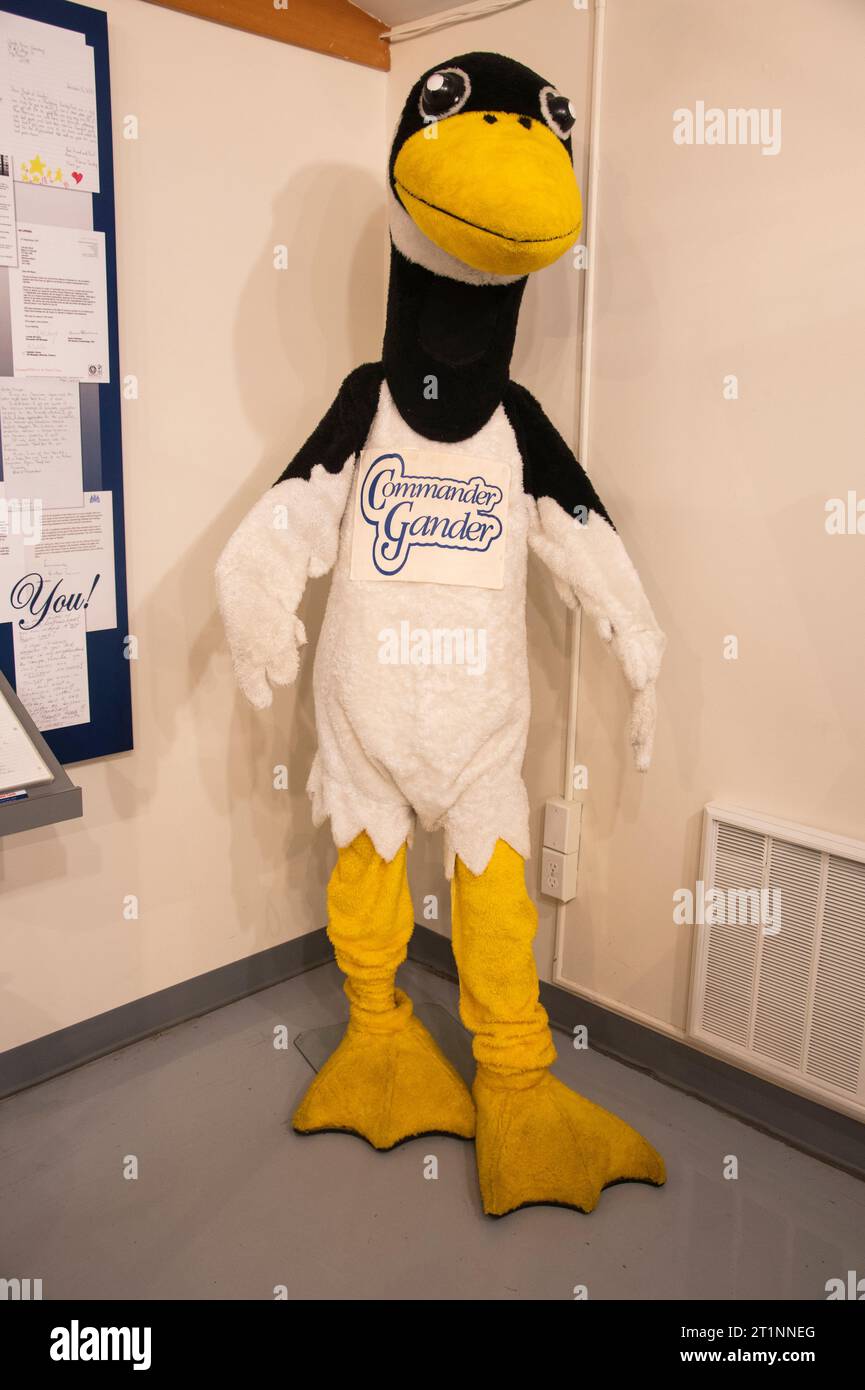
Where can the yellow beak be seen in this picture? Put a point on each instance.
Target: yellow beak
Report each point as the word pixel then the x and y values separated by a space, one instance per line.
pixel 500 197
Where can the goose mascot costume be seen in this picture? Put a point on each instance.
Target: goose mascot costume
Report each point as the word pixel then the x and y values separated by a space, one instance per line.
pixel 423 489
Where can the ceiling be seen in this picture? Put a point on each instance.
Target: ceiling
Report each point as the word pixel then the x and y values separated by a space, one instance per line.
pixel 401 11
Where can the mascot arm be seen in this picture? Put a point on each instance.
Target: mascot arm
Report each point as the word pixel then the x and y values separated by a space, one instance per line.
pixel 289 536
pixel 575 537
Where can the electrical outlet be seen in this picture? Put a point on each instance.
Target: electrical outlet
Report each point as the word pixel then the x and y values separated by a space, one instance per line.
pixel 552 872
pixel 559 875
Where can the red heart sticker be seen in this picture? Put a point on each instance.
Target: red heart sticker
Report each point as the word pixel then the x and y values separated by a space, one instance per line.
pixel 77 177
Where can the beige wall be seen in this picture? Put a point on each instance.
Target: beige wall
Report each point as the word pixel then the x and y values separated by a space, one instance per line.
pixel 711 261
pixel 717 260
pixel 244 143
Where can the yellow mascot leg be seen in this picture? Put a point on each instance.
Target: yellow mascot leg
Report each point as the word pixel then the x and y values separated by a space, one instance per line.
pixel 538 1142
pixel 388 1080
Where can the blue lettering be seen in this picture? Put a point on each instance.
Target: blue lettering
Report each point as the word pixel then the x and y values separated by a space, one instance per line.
pixel 388 500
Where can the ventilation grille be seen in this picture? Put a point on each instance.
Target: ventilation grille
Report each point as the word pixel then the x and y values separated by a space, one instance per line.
pixel 779 966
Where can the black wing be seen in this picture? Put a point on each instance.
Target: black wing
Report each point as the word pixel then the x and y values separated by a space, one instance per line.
pixel 549 467
pixel 343 430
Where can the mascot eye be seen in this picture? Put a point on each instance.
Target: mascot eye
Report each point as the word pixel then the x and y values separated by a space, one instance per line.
pixel 558 112
pixel 443 93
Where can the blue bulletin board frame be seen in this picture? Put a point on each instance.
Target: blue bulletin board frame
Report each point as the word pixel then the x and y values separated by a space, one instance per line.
pixel 109 729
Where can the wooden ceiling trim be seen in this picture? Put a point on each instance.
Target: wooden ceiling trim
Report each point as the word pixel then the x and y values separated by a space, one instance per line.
pixel 333 27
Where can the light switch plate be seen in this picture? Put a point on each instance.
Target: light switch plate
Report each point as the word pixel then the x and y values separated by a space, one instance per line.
pixel 562 825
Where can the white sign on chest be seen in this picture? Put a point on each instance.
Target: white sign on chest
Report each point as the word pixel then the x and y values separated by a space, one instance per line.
pixel 430 518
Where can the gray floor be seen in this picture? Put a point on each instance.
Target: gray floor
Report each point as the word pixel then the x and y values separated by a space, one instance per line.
pixel 229 1203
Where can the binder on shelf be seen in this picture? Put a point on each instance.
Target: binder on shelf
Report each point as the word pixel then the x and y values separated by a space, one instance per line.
pixel 36 788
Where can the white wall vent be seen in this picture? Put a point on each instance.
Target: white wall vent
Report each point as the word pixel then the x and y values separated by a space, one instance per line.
pixel 782 997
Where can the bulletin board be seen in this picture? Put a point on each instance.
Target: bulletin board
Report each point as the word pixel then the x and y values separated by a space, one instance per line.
pixel 63 605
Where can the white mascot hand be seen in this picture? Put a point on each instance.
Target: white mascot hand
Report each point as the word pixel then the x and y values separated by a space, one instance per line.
pixel 259 583
pixel 640 652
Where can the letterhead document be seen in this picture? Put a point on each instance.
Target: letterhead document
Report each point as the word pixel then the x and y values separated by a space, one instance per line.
pixel 58 303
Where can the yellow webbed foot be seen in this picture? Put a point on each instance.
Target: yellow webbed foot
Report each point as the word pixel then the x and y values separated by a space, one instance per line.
pixel 542 1144
pixel 388 1084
